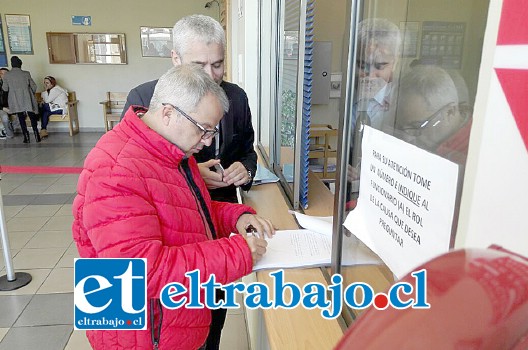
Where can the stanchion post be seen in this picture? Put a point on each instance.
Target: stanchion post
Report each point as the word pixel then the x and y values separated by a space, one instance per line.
pixel 11 280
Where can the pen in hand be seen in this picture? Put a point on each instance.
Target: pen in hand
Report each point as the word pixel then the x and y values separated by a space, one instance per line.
pixel 250 229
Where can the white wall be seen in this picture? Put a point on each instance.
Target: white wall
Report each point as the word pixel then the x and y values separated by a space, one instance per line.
pixel 494 204
pixel 329 25
pixel 118 16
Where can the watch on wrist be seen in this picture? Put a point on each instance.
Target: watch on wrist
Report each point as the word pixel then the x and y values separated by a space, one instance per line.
pixel 250 177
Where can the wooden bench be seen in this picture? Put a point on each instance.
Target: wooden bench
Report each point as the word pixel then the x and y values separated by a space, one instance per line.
pixel 112 108
pixel 70 114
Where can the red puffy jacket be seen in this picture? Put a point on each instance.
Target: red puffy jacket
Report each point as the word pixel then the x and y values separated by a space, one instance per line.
pixel 134 200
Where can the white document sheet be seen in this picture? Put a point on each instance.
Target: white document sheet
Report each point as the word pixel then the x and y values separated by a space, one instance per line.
pixel 308 248
pixel 321 224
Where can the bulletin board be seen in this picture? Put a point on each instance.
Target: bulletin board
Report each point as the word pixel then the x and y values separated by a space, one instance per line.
pixel 411 38
pixel 19 34
pixel 3 54
pixel 443 44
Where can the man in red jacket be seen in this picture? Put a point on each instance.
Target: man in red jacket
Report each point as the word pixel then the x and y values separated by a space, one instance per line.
pixel 141 195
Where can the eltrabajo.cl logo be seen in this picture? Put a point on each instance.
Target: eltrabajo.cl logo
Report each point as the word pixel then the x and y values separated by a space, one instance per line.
pixel 110 294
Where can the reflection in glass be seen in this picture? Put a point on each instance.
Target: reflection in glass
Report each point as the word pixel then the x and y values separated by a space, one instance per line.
pixel 428 113
pixel 100 48
pixel 288 73
pixel 156 42
pixel 289 91
pixel 379 52
pixel 267 78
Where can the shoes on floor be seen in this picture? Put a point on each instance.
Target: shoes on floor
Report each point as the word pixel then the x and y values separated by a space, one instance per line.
pixel 43 133
pixel 3 135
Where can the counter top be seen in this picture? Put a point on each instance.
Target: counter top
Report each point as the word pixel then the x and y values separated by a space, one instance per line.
pixel 301 328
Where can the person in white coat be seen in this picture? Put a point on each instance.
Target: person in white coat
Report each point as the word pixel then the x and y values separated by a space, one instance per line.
pixel 54 101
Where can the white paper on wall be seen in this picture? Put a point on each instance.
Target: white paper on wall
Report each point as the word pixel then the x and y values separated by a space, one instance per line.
pixel 406 202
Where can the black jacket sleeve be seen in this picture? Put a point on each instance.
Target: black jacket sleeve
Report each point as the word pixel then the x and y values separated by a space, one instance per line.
pixel 140 96
pixel 248 156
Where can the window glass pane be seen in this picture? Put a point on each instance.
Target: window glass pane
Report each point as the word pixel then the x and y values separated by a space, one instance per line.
pixel 288 94
pixel 417 67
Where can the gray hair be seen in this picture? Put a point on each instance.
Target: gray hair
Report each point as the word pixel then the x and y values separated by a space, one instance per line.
pixel 184 86
pixel 196 28
pixel 432 83
pixel 380 31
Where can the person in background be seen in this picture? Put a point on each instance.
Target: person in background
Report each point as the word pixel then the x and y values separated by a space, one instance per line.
pixel 379 49
pixel 201 40
pixel 151 50
pixel 22 88
pixel 55 101
pixel 378 55
pixel 141 195
pixel 8 131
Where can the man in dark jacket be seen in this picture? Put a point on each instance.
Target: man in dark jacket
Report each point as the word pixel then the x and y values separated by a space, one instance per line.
pixel 200 39
pixel 22 88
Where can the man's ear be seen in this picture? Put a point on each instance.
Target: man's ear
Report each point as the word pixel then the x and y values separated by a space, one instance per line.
pixel 166 115
pixel 176 59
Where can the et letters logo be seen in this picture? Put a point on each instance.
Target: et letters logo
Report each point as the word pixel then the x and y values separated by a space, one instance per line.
pixel 110 294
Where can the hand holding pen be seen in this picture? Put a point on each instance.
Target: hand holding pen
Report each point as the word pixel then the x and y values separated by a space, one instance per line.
pixel 256 225
pixel 255 229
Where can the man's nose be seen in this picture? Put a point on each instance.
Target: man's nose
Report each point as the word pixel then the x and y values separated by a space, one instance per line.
pixel 207 142
pixel 370 72
pixel 209 70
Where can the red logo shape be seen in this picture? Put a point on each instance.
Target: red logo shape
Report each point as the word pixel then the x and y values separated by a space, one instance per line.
pixel 513 29
pixel 381 301
pixel 514 83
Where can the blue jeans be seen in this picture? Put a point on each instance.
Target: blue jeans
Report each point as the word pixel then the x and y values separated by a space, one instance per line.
pixel 45 113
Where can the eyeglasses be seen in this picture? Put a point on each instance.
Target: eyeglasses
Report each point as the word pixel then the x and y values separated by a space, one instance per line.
pixel 416 128
pixel 367 67
pixel 207 133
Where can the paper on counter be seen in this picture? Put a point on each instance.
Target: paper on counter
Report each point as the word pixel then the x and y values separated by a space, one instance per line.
pixel 306 248
pixel 321 224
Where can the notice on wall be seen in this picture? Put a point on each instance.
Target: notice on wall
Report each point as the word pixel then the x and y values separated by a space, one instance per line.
pixel 19 34
pixel 3 54
pixel 406 202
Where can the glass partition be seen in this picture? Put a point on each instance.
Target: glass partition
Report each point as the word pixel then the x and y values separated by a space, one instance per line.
pixel 288 95
pixel 268 23
pixel 281 67
pixel 411 71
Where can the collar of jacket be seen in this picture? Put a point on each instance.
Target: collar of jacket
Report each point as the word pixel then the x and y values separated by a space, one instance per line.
pixel 138 132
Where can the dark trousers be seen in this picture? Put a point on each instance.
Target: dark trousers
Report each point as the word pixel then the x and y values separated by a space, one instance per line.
pixel 45 113
pixel 217 323
pixel 22 119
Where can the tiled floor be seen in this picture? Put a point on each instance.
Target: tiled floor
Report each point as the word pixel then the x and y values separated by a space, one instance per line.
pixel 37 209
